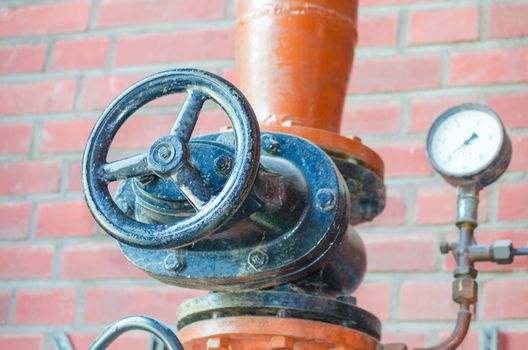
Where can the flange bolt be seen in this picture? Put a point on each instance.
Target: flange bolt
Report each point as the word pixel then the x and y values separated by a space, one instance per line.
pixel 257 259
pixel 270 144
pixel 173 262
pixel 325 198
pixel 223 164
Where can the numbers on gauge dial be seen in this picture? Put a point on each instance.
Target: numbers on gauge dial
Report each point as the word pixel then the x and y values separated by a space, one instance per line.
pixel 466 142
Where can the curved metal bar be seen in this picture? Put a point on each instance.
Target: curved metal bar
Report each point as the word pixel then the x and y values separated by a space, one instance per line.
pixel 144 323
pixel 458 334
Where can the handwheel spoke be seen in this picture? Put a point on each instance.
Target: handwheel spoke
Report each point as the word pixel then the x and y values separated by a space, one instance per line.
pixel 191 184
pixel 126 168
pixel 186 120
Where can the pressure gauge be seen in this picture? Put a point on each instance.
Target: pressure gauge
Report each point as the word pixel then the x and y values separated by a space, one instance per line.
pixel 468 144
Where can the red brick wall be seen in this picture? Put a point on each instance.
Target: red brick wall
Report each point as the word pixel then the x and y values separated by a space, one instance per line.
pixel 62 62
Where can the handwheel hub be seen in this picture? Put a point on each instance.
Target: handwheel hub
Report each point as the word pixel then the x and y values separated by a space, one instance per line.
pixel 166 155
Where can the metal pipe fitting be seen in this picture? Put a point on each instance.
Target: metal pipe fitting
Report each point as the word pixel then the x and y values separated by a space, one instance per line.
pixel 467 205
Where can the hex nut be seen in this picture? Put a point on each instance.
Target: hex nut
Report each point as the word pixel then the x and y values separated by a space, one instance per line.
pixel 270 144
pixel 326 199
pixel 223 165
pixel 281 343
pixel 217 343
pixel 173 262
pixel 465 271
pixel 502 252
pixel 444 247
pixel 465 290
pixel 257 259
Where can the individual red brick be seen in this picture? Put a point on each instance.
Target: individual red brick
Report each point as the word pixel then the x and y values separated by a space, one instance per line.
pixel 423 110
pixel 404 159
pixel 96 261
pixel 519 161
pixel 504 299
pixel 14 220
pixel 26 177
pixel 512 201
pixel 80 54
pixel 25 262
pixel 512 340
pixel 377 30
pixel 4 306
pixel 412 340
pixel 27 341
pixel 493 66
pixel 37 97
pixel 74 177
pixel 508 20
pixel 375 298
pixel 22 58
pixel 107 304
pixel 394 212
pixel 212 44
pixel 15 138
pixel 98 92
pixel 46 306
pixel 518 238
pixel 371 117
pixel 44 19
pixel 118 13
pixel 65 135
pixel 126 341
pixel 457 24
pixel 395 73
pixel 512 108
pixel 68 218
pixel 428 212
pixel 426 300
pixel 403 252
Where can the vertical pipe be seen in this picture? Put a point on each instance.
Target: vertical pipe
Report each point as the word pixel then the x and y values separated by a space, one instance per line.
pixel 294 59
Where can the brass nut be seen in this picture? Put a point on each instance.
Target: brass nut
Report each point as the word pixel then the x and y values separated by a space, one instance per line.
pixel 465 271
pixel 465 290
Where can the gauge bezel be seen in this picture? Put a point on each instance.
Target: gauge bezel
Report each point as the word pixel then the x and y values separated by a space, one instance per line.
pixel 485 174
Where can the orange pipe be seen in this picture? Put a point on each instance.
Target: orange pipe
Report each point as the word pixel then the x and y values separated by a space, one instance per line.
pixel 294 59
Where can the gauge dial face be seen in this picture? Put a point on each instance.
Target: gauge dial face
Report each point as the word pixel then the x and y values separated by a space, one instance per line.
pixel 464 141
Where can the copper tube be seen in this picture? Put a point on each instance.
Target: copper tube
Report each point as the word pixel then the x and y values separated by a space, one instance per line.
pixel 294 59
pixel 458 334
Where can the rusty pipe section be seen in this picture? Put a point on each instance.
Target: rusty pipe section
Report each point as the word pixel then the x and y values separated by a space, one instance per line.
pixel 294 59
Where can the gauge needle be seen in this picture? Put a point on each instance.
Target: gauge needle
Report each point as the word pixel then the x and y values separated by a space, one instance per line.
pixel 467 142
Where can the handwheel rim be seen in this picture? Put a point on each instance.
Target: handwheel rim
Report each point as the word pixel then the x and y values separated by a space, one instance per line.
pixel 214 213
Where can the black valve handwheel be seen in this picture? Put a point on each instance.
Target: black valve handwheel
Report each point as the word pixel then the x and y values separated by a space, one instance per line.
pixel 168 157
